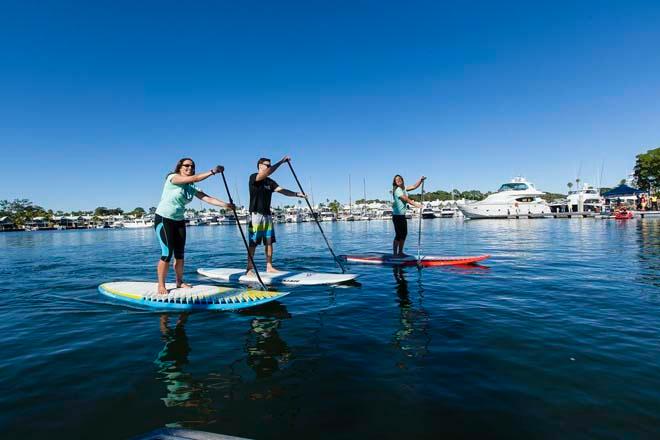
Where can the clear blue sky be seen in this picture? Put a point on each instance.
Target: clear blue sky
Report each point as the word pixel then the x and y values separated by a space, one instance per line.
pixel 100 99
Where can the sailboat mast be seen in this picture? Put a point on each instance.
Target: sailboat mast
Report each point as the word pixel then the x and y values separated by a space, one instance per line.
pixel 349 195
pixel 364 189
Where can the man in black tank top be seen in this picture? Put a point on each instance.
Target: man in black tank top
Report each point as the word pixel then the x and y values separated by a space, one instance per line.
pixel 260 228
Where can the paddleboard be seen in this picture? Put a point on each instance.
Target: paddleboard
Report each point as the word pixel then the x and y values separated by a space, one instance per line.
pixel 199 297
pixel 288 278
pixel 411 260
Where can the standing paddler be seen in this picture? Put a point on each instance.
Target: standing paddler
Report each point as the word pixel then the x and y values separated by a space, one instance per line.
pixel 260 228
pixel 179 190
pixel 400 202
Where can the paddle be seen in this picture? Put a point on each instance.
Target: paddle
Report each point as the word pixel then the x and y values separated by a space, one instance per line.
pixel 337 260
pixel 419 232
pixel 247 248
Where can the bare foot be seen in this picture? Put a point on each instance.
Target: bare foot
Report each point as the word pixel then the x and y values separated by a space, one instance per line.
pixel 184 285
pixel 250 273
pixel 271 269
pixel 162 290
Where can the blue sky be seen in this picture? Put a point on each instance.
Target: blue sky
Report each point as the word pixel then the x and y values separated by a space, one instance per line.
pixel 99 100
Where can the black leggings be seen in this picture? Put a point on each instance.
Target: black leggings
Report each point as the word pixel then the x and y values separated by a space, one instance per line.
pixel 171 236
pixel 400 227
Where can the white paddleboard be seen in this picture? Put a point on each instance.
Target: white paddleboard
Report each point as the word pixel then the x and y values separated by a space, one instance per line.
pixel 288 278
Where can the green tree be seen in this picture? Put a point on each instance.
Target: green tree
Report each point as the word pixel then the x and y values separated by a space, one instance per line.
pixel 152 210
pixel 334 206
pixel 138 212
pixel 570 186
pixel 622 182
pixel 21 211
pixel 647 170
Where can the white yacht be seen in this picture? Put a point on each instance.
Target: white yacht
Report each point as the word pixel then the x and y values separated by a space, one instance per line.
pixel 349 217
pixel 588 196
pixel 326 215
pixel 516 198
pixel 138 223
pixel 227 219
pixel 427 212
pixel 385 214
pixel 446 212
pixel 293 216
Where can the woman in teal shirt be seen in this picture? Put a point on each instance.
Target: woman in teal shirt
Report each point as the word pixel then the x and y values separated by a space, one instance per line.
pixel 400 202
pixel 170 224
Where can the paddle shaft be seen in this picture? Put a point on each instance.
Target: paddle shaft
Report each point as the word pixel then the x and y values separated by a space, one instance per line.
pixel 238 223
pixel 419 232
pixel 343 270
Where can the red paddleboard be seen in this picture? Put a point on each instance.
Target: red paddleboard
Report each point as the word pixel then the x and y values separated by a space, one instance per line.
pixel 411 260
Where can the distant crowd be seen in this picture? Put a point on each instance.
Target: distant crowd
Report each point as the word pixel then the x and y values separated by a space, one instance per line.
pixel 642 202
pixel 645 202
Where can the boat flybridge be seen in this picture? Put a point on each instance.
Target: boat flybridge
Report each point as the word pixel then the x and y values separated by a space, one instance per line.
pixel 518 198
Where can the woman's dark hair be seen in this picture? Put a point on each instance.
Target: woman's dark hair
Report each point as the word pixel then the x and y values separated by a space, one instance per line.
pixel 177 168
pixel 394 185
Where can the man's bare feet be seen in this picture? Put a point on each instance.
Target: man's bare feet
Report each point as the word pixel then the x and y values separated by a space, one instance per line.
pixel 182 284
pixel 250 272
pixel 271 269
pixel 162 290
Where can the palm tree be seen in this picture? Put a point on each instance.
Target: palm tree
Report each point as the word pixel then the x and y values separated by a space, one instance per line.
pixel 570 185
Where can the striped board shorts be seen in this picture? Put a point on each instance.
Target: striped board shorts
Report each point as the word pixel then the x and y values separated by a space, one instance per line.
pixel 260 229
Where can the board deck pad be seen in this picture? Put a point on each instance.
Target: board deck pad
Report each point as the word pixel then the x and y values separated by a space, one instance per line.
pixel 411 260
pixel 199 297
pixel 287 278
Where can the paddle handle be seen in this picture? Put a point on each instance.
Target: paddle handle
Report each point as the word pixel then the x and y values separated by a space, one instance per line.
pixel 238 223
pixel 309 205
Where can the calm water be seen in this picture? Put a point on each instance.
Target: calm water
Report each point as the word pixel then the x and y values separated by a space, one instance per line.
pixel 557 336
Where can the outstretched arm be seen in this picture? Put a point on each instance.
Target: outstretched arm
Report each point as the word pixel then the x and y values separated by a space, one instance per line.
pixel 416 185
pixel 213 201
pixel 181 180
pixel 271 169
pixel 289 193
pixel 408 200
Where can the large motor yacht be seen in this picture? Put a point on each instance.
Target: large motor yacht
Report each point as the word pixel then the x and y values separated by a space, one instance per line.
pixel 589 197
pixel 516 198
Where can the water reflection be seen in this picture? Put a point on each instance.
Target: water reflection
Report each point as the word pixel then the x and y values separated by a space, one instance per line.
pixel 648 238
pixel 412 337
pixel 266 352
pixel 182 389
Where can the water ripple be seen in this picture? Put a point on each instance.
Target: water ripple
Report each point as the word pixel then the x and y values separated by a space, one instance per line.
pixel 556 335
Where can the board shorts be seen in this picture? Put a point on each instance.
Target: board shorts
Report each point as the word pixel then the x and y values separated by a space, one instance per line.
pixel 260 229
pixel 400 227
pixel 171 237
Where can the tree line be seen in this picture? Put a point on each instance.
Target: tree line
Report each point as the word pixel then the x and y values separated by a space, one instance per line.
pixel 22 211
